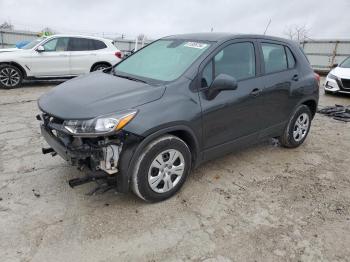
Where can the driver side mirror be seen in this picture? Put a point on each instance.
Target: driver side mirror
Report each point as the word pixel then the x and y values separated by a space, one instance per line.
pixel 40 49
pixel 221 82
pixel 334 65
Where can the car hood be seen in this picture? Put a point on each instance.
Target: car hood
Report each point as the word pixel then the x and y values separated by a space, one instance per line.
pixel 341 72
pixel 8 50
pixel 97 94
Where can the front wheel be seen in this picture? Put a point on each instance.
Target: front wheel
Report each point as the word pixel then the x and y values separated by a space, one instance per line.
pixel 298 128
pixel 161 169
pixel 10 76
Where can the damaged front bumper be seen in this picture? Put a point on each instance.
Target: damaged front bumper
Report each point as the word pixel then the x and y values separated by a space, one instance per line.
pixel 100 155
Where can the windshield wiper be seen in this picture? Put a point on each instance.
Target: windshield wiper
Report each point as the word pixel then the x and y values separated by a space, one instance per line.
pixel 130 78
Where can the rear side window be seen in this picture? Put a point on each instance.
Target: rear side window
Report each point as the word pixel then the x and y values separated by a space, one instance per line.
pixel 274 57
pixel 84 44
pixel 79 44
pixel 290 58
pixel 236 60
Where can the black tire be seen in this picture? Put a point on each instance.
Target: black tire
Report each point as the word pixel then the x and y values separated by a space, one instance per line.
pixel 143 168
pixel 10 76
pixel 287 139
pixel 100 66
pixel 328 92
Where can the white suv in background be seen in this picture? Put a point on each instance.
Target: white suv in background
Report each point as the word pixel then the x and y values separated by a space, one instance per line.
pixel 57 56
pixel 338 80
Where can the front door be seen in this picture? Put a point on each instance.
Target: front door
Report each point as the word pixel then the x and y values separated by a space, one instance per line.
pixel 53 61
pixel 232 114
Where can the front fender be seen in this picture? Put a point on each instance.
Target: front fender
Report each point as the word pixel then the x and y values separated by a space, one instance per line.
pixel 133 150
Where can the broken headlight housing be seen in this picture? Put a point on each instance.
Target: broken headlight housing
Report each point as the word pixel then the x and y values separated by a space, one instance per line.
pixel 102 125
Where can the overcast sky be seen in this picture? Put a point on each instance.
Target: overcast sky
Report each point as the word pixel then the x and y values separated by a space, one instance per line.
pixel 156 18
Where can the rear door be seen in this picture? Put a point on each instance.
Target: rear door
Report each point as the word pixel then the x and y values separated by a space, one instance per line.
pixel 52 62
pixel 280 78
pixel 232 114
pixel 83 54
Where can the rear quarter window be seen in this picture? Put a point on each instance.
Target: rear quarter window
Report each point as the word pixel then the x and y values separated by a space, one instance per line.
pixel 97 45
pixel 290 58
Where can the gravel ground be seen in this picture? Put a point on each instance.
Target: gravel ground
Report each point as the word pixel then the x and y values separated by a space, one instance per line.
pixel 265 203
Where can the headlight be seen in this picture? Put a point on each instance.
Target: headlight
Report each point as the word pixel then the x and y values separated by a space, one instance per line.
pixel 101 125
pixel 331 76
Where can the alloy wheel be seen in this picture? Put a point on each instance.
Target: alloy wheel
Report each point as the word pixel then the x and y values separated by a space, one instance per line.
pixel 9 77
pixel 100 67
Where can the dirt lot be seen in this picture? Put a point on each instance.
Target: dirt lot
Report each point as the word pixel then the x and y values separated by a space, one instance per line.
pixel 265 203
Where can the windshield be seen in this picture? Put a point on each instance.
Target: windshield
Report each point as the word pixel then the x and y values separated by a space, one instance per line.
pixel 163 60
pixel 345 63
pixel 33 43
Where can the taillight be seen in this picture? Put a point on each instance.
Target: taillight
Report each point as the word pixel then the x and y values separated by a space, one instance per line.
pixel 318 79
pixel 118 54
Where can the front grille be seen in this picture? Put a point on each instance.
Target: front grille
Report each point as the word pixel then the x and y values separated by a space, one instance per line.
pixel 346 83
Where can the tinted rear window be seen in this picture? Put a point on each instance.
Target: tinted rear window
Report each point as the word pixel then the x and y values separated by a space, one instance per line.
pixel 79 44
pixel 85 44
pixel 97 44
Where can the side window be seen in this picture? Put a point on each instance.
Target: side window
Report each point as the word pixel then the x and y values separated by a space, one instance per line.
pixel 207 75
pixel 97 45
pixel 50 45
pixel 236 60
pixel 290 58
pixel 79 44
pixel 274 57
pixel 56 44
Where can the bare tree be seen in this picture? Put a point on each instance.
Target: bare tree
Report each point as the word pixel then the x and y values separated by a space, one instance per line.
pixel 7 26
pixel 298 33
pixel 140 37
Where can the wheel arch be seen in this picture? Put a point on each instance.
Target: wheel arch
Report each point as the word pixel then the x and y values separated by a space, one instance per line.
pixel 21 68
pixel 130 156
pixel 312 105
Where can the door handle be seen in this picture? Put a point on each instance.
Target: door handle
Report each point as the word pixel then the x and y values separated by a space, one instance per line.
pixel 295 78
pixel 255 92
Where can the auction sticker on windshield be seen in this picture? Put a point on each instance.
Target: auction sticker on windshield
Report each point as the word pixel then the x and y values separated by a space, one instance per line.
pixel 196 45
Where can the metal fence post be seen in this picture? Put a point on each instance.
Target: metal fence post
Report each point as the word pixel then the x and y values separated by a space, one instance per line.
pixel 334 54
pixel 2 39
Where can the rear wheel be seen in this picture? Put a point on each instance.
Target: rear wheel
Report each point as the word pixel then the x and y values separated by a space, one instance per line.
pixel 100 66
pixel 298 128
pixel 10 76
pixel 162 169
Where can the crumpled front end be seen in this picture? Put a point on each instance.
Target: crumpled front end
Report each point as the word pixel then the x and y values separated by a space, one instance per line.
pixel 100 155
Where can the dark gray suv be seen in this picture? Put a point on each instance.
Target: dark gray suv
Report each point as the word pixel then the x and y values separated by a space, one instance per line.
pixel 148 121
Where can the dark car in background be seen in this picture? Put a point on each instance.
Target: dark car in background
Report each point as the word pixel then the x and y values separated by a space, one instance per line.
pixel 180 101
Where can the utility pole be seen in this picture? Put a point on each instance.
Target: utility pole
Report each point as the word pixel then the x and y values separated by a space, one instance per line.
pixel 267 27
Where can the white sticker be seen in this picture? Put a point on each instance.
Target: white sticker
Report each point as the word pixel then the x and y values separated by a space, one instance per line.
pixel 196 45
